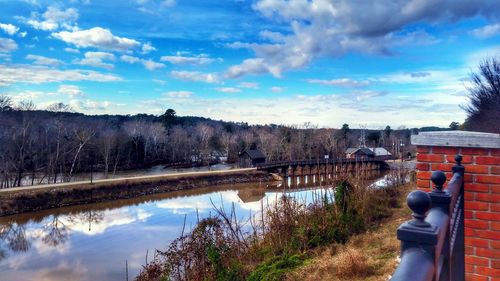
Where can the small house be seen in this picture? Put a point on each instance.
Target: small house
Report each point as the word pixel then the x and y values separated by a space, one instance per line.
pixel 381 153
pixel 359 153
pixel 251 157
pixel 218 156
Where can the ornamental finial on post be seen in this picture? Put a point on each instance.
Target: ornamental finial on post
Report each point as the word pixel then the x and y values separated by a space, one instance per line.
pixel 438 178
pixel 458 168
pixel 419 202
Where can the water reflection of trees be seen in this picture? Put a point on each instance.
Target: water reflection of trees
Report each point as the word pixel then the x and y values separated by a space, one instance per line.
pixel 90 217
pixel 13 237
pixel 53 231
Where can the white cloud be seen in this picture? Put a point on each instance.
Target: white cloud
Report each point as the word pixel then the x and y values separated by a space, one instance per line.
pixel 476 57
pixel 70 90
pixel 178 94
pixel 149 64
pixel 314 98
pixel 428 77
pixel 97 37
pixel 41 60
pixel 54 19
pixel 26 95
pixel 5 56
pixel 64 270
pixel 9 28
pixel 11 74
pixel 322 28
pixel 333 110
pixel 43 25
pixel 248 85
pixel 129 59
pixel 168 3
pixel 487 31
pixel 342 82
pixel 195 76
pixel 250 66
pixel 229 90
pixel 32 2
pixel 152 65
pixel 71 50
pixel 194 60
pixel 163 3
pixel 90 105
pixel 365 95
pixel 97 59
pixel 272 36
pixel 7 45
pixel 159 81
pixel 276 89
pixel 147 48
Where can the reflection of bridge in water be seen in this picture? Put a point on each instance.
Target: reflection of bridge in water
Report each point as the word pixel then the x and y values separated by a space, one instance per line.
pixel 316 172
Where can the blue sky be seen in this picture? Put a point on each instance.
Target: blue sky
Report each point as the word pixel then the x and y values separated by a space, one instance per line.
pixel 387 62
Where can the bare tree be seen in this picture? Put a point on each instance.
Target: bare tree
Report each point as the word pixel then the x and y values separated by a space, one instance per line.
pixel 6 103
pixel 205 132
pixel 483 110
pixel 59 107
pixel 26 105
pixel 82 137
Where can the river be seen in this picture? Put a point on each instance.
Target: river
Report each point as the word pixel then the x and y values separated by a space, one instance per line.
pixel 95 242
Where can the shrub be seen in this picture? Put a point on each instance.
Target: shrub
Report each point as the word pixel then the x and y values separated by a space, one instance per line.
pixel 276 268
pixel 218 249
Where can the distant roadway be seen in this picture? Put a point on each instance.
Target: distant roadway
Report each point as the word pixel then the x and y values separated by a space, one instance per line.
pixel 118 180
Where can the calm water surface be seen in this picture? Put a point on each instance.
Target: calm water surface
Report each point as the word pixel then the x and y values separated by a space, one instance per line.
pixel 93 242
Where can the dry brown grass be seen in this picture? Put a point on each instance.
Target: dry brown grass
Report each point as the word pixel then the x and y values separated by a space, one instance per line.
pixel 368 256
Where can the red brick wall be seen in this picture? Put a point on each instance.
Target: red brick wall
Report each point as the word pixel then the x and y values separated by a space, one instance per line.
pixel 482 202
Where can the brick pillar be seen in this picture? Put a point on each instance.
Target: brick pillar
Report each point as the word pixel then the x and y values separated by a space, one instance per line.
pixel 481 159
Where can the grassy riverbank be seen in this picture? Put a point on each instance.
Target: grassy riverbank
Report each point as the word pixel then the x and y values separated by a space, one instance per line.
pixel 367 256
pixel 287 241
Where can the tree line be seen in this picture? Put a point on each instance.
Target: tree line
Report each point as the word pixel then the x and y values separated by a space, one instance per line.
pixel 54 144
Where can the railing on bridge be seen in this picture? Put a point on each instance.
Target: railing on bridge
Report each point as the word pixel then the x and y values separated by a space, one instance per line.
pixel 432 244
pixel 277 164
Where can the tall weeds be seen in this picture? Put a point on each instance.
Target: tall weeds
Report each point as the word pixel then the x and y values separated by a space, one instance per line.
pixel 266 247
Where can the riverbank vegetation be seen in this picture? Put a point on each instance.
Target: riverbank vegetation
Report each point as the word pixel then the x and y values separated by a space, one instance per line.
pixel 369 256
pixel 272 245
pixel 55 144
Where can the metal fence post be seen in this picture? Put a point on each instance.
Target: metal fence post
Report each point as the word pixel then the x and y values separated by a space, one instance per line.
pixel 441 201
pixel 457 250
pixel 418 241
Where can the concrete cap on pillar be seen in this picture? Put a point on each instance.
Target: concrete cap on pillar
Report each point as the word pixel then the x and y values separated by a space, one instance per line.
pixel 457 139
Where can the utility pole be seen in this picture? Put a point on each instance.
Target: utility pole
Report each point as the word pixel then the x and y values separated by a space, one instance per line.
pixel 362 138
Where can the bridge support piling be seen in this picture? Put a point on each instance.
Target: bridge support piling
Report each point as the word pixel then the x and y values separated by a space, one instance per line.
pixel 317 170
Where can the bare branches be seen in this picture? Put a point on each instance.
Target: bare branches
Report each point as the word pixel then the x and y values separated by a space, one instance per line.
pixel 59 107
pixel 483 109
pixel 6 103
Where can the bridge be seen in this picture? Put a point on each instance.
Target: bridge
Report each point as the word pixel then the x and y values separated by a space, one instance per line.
pixel 301 173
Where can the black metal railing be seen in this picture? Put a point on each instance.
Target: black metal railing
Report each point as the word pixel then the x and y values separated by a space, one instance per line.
pixel 278 164
pixel 432 244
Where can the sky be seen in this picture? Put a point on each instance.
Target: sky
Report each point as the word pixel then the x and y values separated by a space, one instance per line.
pixel 327 62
